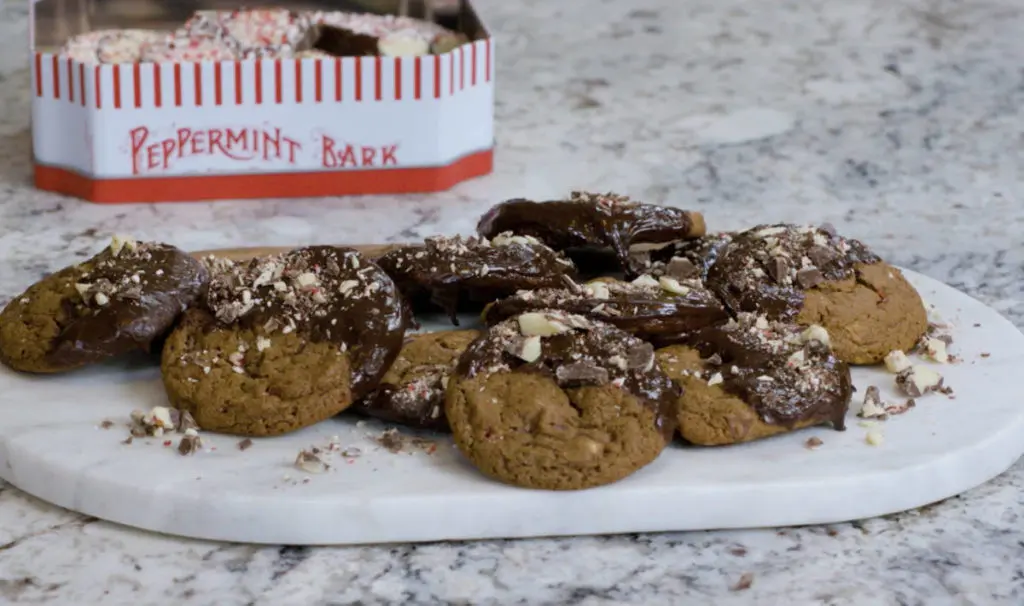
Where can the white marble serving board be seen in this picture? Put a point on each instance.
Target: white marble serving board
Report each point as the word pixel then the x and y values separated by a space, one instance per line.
pixel 52 445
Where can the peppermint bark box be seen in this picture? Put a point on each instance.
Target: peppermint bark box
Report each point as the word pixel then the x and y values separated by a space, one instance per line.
pixel 176 104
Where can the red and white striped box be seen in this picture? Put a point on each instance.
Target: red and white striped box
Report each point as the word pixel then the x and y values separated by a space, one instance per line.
pixel 257 128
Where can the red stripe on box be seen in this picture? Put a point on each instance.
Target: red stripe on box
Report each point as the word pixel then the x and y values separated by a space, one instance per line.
pixel 137 83
pixel 418 84
pixel 218 88
pixel 398 78
pixel 56 77
pixel 377 78
pixel 238 83
pixel 462 67
pixel 278 93
pixel 487 59
pixel 158 86
pixel 116 68
pixel 71 80
pixel 99 88
pixel 472 61
pixel 81 83
pixel 298 80
pixel 318 80
pixel 279 185
pixel 337 79
pixel 359 78
pixel 39 74
pixel 437 76
pixel 259 81
pixel 451 72
pixel 177 84
pixel 197 79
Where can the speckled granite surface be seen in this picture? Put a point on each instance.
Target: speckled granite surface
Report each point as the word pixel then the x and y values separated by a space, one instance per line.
pixel 898 121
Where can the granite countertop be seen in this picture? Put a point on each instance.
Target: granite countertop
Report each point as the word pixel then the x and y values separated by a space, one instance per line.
pixel 899 121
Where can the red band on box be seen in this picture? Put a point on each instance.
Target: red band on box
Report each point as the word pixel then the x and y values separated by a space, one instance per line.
pixel 137 83
pixel 99 88
pixel 278 93
pixel 116 68
pixel 418 92
pixel 259 81
pixel 56 77
pixel 312 184
pixel 398 78
pixel 177 85
pixel 81 83
pixel 39 74
pixel 359 78
pixel 462 68
pixel 319 80
pixel 437 76
pixel 472 61
pixel 218 91
pixel 158 92
pixel 298 80
pixel 238 83
pixel 487 59
pixel 377 78
pixel 197 73
pixel 71 80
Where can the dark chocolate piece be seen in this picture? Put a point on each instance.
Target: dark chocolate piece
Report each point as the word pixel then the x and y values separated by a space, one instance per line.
pixel 466 273
pixel 766 269
pixel 779 369
pixel 700 253
pixel 663 311
pixel 590 221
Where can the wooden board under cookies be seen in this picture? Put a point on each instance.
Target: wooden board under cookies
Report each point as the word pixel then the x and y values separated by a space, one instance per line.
pixel 246 253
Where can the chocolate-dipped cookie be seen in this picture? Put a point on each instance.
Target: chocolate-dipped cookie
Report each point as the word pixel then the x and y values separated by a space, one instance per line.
pixel 557 401
pixel 124 299
pixel 466 273
pixel 285 341
pixel 663 310
pixel 412 391
pixel 811 275
pixel 588 222
pixel 752 378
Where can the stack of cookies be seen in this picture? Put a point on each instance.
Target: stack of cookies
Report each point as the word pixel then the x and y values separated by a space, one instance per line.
pixel 607 328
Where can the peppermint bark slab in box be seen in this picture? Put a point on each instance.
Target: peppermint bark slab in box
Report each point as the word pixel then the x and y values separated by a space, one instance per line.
pixel 275 102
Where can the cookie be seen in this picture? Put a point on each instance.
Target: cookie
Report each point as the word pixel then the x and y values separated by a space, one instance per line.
pixel 124 299
pixel 557 401
pixel 284 341
pixel 814 276
pixel 753 378
pixel 466 273
pixel 412 391
pixel 587 222
pixel 662 310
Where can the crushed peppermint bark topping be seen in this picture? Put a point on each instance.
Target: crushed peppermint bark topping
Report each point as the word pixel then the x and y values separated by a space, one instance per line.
pixel 322 294
pixel 784 373
pixel 768 267
pixel 572 350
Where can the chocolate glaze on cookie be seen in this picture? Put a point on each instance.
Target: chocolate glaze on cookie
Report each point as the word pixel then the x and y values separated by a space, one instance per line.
pixel 783 371
pixel 593 221
pixel 124 299
pixel 687 259
pixel 326 294
pixel 663 310
pixel 766 269
pixel 412 391
pixel 449 272
pixel 575 351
